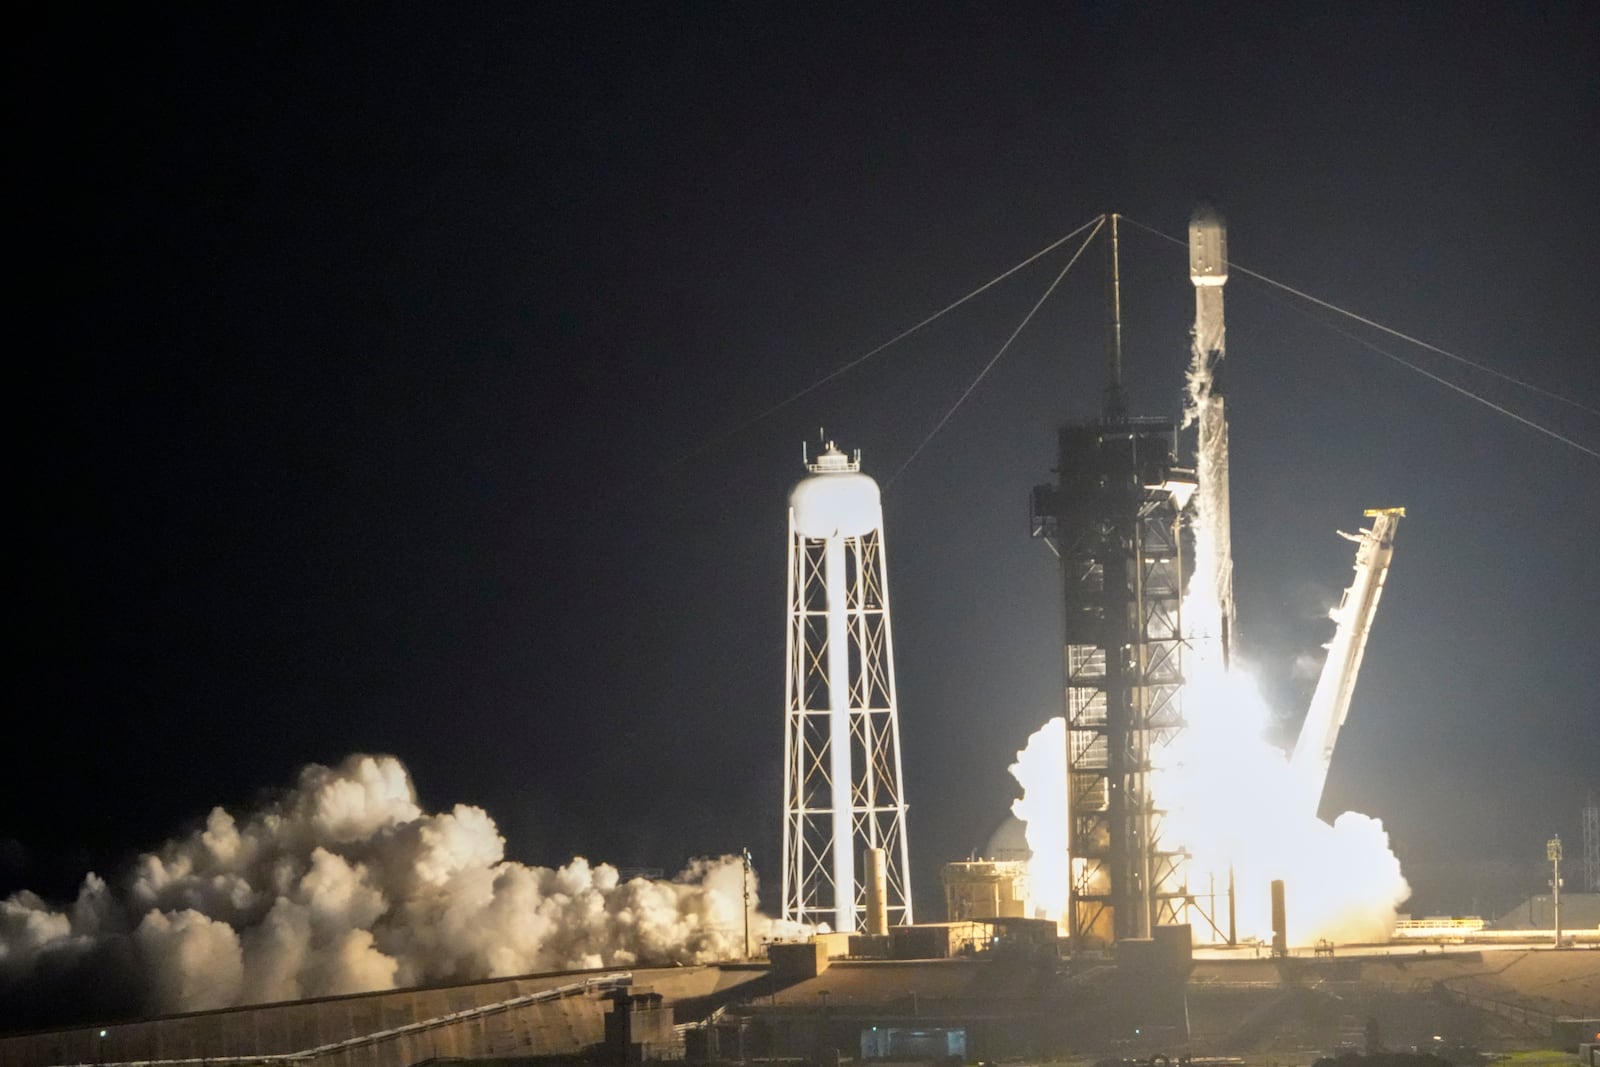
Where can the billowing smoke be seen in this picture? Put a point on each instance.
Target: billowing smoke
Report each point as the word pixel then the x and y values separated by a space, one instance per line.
pixel 1041 771
pixel 345 885
pixel 1233 805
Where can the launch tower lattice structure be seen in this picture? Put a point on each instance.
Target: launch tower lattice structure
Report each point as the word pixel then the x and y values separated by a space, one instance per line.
pixel 1116 519
pixel 844 798
pixel 1113 517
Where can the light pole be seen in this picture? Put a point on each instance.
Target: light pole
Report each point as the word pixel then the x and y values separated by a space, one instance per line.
pixel 746 853
pixel 1552 850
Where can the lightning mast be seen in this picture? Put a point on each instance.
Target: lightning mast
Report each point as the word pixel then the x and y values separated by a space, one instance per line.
pixel 1113 518
pixel 842 787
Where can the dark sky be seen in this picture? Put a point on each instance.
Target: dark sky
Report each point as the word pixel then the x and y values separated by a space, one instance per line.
pixel 355 355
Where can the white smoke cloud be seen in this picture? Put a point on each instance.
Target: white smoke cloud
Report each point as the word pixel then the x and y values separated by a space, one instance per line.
pixel 1041 770
pixel 1307 666
pixel 27 927
pixel 1231 803
pixel 345 885
pixel 194 960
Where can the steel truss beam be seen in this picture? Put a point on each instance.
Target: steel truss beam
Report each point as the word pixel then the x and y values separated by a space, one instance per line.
pixel 1115 520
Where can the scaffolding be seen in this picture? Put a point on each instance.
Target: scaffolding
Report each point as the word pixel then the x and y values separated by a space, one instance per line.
pixel 1114 519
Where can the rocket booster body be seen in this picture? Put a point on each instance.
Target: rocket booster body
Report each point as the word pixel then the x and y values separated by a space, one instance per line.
pixel 1208 270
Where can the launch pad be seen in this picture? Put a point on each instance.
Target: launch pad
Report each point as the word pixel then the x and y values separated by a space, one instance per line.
pixel 995 1007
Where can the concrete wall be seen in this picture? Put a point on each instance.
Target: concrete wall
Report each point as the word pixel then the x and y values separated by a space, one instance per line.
pixel 548 1027
pixel 565 1025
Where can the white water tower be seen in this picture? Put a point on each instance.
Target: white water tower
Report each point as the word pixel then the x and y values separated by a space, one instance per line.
pixel 844 799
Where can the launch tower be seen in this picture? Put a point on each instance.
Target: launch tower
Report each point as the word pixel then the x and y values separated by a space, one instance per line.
pixel 844 802
pixel 1113 517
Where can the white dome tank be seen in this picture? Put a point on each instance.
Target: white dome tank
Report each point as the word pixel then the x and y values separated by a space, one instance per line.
pixel 837 500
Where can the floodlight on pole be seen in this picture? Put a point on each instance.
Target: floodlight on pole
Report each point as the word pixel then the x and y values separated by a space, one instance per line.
pixel 1552 850
pixel 745 852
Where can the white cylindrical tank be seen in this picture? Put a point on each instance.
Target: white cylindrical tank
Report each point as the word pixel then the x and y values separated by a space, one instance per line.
pixel 843 504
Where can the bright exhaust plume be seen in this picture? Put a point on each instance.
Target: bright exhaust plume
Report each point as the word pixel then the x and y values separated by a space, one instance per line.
pixel 1230 801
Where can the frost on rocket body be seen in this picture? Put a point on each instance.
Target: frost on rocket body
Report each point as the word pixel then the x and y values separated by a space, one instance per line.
pixel 345 885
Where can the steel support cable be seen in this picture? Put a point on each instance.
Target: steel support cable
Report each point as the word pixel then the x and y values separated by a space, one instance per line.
pixel 1380 326
pixel 845 368
pixel 1364 343
pixel 987 367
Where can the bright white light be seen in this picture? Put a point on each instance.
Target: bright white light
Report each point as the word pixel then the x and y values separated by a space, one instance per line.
pixel 1231 802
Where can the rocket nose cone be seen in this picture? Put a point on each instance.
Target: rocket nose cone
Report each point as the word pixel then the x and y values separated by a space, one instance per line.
pixel 1206 216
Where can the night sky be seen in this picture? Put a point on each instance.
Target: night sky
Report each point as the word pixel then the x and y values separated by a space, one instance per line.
pixel 382 380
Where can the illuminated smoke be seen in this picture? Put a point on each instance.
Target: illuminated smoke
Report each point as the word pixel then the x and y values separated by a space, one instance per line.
pixel 1227 790
pixel 345 885
pixel 1231 801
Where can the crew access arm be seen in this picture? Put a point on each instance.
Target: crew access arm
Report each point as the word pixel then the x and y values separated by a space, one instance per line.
pixel 1330 703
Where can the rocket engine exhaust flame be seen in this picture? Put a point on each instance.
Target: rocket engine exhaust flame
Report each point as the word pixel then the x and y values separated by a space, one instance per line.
pixel 345 885
pixel 1233 799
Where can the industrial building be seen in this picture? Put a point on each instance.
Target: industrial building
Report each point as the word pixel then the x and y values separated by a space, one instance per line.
pixel 985 889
